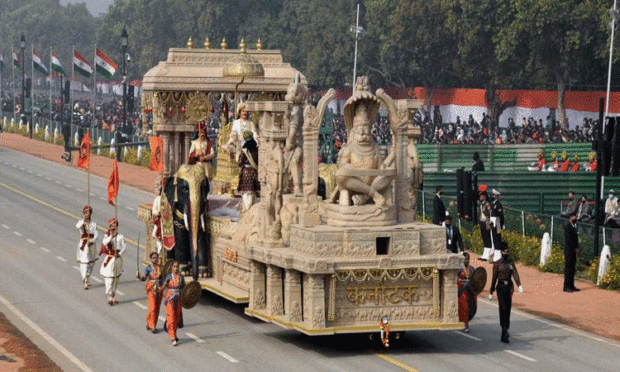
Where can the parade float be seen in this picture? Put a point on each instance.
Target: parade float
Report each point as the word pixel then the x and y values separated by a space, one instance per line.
pixel 356 261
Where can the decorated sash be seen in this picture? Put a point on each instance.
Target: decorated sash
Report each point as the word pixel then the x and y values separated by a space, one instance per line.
pixel 109 250
pixel 85 238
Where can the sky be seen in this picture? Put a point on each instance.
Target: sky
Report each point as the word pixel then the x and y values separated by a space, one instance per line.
pixel 96 7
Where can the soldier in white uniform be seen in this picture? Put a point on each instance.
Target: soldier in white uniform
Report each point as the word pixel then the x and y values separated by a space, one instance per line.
pixel 113 247
pixel 86 251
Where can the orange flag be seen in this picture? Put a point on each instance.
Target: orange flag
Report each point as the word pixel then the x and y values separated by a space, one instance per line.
pixel 157 160
pixel 83 160
pixel 113 184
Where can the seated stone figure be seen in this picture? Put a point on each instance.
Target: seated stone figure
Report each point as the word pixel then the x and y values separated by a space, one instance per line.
pixel 361 170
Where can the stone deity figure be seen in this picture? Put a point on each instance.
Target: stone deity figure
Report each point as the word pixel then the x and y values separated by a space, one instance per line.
pixel 294 150
pixel 200 151
pixel 361 154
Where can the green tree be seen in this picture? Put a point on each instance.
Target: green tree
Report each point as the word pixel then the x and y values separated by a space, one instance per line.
pixel 562 38
pixel 415 47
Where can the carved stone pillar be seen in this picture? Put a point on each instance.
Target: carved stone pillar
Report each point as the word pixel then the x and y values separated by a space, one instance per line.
pixel 292 295
pixel 449 294
pixel 187 145
pixel 165 136
pixel 309 215
pixel 176 151
pixel 274 291
pixel 314 300
pixel 257 285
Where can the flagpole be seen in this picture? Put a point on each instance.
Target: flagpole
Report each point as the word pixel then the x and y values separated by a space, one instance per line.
pixel 94 87
pixel 70 88
pixel 88 170
pixel 51 81
pixel 31 122
pixel 13 92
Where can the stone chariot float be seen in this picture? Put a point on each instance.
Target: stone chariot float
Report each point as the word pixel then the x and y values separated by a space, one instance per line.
pixel 317 266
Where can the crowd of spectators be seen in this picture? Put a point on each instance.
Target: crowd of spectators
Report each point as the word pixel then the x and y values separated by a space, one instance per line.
pixel 107 114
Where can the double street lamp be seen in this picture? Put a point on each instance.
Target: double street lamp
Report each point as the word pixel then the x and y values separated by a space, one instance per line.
pixel 124 43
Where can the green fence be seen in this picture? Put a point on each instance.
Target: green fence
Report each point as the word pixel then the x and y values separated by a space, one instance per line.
pixel 533 224
pixel 56 127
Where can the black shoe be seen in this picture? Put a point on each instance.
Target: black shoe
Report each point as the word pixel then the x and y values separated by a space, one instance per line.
pixel 576 289
pixel 505 335
pixel 568 290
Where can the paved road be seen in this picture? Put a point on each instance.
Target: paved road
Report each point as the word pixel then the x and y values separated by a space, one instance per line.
pixel 40 292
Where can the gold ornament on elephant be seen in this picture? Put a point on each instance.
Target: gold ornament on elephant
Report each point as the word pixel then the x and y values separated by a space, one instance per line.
pixel 198 107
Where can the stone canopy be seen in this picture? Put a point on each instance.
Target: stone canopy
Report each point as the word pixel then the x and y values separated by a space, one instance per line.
pixel 202 70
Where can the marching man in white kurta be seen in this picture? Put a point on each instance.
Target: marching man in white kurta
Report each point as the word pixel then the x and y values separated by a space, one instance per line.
pixel 113 247
pixel 86 251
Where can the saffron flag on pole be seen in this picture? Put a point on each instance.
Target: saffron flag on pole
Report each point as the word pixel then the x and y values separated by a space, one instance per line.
pixel 1 62
pixel 113 184
pixel 157 157
pixel 81 66
pixel 56 66
pixel 37 63
pixel 104 65
pixel 17 62
pixel 83 160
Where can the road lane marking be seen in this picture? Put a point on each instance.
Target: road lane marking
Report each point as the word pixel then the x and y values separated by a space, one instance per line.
pixel 17 233
pixel 120 293
pixel 59 210
pixel 6 227
pixel 31 241
pixel 68 186
pixel 102 198
pixel 130 208
pixel 520 355
pixel 226 356
pixel 91 194
pixel 77 268
pixel 61 259
pixel 140 305
pixel 395 362
pixel 468 336
pixel 47 337
pixel 79 190
pixel 196 338
pixel 29 171
pixel 96 279
pixel 47 178
pixel 566 328
pixel 20 168
pixel 39 175
pixel 45 250
pixel 58 182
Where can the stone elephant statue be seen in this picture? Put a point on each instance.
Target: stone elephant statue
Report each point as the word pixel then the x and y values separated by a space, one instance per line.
pixel 187 193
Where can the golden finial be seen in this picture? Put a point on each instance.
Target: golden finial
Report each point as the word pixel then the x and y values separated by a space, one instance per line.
pixel 190 43
pixel 259 45
pixel 224 45
pixel 207 43
pixel 242 46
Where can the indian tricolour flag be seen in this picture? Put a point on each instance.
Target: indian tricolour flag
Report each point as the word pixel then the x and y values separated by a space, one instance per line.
pixel 37 63
pixel 16 61
pixel 81 66
pixel 56 66
pixel 104 65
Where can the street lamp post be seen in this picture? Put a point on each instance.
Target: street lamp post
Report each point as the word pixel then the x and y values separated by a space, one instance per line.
pixel 124 42
pixel 22 45
pixel 357 32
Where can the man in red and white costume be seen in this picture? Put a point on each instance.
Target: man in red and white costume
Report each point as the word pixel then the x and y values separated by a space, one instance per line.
pixel 200 151
pixel 113 248
pixel 86 251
